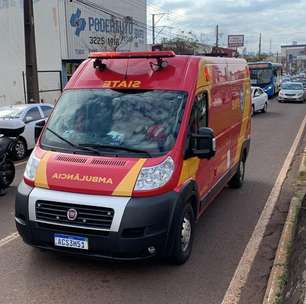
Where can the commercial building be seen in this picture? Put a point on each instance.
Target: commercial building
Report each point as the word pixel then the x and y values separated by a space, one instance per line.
pixel 294 58
pixel 66 31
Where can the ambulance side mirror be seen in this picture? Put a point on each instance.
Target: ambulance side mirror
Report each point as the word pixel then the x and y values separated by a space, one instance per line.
pixel 38 128
pixel 204 143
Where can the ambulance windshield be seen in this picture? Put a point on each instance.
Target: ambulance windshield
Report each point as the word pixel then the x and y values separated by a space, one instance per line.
pixel 144 120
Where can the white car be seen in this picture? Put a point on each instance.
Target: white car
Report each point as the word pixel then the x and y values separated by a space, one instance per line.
pixel 292 91
pixel 30 114
pixel 259 100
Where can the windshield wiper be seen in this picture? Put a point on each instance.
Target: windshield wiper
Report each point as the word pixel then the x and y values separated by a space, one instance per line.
pixel 123 148
pixel 80 147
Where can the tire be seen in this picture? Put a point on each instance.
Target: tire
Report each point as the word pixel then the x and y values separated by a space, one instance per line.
pixel 265 108
pixel 252 111
pixel 7 174
pixel 183 236
pixel 238 179
pixel 20 149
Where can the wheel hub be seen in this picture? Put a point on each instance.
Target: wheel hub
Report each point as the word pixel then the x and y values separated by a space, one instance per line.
pixel 241 170
pixel 19 149
pixel 185 234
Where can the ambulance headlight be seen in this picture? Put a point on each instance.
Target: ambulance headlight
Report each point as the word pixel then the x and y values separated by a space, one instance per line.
pixel 151 178
pixel 32 165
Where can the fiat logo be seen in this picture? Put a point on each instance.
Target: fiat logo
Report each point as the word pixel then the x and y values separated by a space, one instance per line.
pixel 72 214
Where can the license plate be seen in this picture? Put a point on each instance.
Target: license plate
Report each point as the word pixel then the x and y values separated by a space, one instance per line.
pixel 71 241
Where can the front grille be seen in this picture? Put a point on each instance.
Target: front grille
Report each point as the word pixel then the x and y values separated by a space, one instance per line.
pixel 71 159
pixel 108 162
pixel 290 95
pixel 88 216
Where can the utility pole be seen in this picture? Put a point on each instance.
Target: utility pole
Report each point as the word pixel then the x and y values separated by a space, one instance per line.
pixel 30 53
pixel 153 29
pixel 154 23
pixel 270 50
pixel 217 35
pixel 259 49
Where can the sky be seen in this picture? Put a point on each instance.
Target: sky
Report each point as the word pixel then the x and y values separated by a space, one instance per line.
pixel 280 21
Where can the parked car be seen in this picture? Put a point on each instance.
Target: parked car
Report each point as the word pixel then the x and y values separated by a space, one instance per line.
pixel 9 131
pixel 304 84
pixel 292 91
pixel 259 100
pixel 30 114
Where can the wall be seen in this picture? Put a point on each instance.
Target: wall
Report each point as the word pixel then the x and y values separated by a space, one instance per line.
pixel 12 59
pixel 293 58
pixel 48 47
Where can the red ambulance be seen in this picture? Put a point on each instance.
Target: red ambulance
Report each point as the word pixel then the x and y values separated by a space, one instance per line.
pixel 136 148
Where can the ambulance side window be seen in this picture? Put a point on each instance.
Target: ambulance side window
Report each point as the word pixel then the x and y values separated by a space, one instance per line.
pixel 201 110
pixel 198 119
pixel 199 114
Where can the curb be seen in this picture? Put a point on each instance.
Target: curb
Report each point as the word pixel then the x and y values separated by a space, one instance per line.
pixel 278 275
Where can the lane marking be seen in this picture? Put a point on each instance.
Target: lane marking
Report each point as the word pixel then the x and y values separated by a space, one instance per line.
pixel 20 163
pixel 9 239
pixel 233 293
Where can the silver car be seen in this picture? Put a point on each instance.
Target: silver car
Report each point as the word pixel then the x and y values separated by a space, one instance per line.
pixel 292 91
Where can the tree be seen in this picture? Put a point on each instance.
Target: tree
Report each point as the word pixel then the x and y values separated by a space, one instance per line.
pixel 182 45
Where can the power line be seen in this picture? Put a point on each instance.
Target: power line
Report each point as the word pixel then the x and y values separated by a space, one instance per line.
pixel 154 23
pixel 259 47
pixel 134 21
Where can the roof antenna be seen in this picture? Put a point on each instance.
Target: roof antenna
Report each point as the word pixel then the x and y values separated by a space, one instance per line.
pixel 99 65
pixel 161 64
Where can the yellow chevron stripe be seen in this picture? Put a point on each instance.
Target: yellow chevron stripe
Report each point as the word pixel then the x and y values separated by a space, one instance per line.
pixel 126 186
pixel 189 169
pixel 41 173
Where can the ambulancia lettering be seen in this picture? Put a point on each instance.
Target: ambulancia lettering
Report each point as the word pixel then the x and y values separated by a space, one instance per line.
pixel 82 178
pixel 124 84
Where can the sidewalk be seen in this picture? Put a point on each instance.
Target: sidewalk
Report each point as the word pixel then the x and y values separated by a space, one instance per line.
pixel 296 286
pixel 287 281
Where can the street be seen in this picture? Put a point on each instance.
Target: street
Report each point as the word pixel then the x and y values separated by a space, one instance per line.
pixel 28 275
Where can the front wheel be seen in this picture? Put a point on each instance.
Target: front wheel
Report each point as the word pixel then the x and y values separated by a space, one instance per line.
pixel 265 108
pixel 238 179
pixel 183 236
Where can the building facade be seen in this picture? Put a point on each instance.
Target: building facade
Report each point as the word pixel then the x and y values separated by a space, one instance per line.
pixel 294 58
pixel 66 31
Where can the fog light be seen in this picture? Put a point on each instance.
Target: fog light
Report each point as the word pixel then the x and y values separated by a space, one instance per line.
pixel 152 250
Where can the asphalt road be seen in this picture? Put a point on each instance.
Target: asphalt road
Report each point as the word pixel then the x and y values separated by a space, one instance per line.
pixel 30 276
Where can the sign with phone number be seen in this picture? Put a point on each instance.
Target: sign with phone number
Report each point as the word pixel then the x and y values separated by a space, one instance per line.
pixel 90 30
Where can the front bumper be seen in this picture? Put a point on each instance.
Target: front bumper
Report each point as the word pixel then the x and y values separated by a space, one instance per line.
pixel 293 99
pixel 145 223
